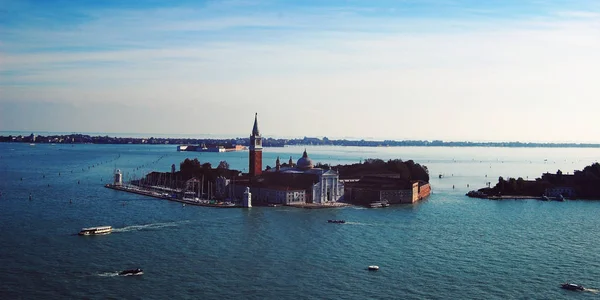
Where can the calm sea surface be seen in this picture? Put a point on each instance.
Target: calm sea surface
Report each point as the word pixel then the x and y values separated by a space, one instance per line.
pixel 446 247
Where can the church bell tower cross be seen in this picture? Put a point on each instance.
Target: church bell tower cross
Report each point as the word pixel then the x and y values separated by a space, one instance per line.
pixel 255 166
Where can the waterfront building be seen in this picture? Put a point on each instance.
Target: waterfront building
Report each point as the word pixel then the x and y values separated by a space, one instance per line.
pixel 280 195
pixel 386 189
pixel 560 191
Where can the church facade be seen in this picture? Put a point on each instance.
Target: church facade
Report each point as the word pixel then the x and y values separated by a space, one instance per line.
pixel 325 186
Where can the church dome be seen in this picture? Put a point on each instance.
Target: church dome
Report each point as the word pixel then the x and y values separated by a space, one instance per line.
pixel 304 163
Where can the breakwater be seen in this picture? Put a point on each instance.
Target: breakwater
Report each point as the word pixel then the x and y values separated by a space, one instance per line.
pixel 161 195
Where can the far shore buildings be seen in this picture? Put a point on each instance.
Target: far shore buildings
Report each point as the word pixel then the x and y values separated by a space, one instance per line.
pixel 302 183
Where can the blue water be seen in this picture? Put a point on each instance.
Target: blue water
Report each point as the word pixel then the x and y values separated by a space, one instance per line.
pixel 446 247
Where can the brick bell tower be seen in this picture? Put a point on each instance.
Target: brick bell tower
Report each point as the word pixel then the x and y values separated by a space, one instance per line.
pixel 255 166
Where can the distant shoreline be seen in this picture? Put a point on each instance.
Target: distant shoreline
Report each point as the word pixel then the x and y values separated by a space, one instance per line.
pixel 273 142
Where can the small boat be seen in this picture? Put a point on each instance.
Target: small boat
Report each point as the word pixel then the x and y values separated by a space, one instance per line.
pixel 545 198
pixel 572 287
pixel 375 204
pixel 336 221
pixel 560 198
pixel 101 230
pixel 373 268
pixel 131 272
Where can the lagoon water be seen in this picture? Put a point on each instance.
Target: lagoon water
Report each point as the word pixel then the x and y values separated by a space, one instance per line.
pixel 446 247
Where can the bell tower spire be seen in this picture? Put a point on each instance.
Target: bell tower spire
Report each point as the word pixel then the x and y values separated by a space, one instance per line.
pixel 255 131
pixel 255 159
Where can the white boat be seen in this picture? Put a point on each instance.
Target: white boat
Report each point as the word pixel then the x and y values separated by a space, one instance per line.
pixel 132 272
pixel 96 230
pixel 373 268
pixel 375 204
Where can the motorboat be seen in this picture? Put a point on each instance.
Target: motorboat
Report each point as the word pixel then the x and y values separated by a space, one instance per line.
pixel 336 221
pixel 572 287
pixel 373 268
pixel 375 204
pixel 131 272
pixel 101 230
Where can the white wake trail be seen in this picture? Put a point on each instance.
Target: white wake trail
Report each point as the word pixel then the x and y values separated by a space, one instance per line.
pixel 148 226
pixel 109 274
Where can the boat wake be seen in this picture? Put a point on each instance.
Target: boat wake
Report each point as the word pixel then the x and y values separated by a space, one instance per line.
pixel 109 274
pixel 594 291
pixel 357 223
pixel 148 226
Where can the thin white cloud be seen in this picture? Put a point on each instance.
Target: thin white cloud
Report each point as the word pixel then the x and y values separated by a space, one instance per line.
pixel 578 14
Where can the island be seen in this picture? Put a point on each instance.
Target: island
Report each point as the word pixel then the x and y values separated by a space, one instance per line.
pixel 582 184
pixel 300 182
pixel 372 183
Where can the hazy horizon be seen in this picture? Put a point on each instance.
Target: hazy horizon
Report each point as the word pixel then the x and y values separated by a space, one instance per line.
pixel 459 70
pixel 233 136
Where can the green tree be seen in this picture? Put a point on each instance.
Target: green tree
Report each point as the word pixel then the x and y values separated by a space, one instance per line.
pixel 520 184
pixel 223 165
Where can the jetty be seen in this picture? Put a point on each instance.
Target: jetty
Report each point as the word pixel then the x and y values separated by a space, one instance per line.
pixel 320 205
pixel 171 197
pixel 481 195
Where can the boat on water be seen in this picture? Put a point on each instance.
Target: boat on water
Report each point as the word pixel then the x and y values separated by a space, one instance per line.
pixel 336 221
pixel 101 230
pixel 373 268
pixel 375 204
pixel 572 287
pixel 131 272
pixel 560 197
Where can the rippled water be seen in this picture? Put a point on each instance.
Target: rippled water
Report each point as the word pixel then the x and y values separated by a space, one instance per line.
pixel 447 247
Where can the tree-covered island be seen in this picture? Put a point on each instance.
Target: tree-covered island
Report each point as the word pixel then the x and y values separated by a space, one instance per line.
pixel 584 184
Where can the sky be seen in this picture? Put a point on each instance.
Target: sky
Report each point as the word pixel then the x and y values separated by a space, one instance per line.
pixel 455 70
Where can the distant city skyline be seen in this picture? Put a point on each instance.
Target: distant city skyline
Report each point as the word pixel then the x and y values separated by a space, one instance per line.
pixel 461 70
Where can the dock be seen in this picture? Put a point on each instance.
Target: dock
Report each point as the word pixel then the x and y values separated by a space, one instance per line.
pixel 150 193
pixel 319 206
pixel 514 198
